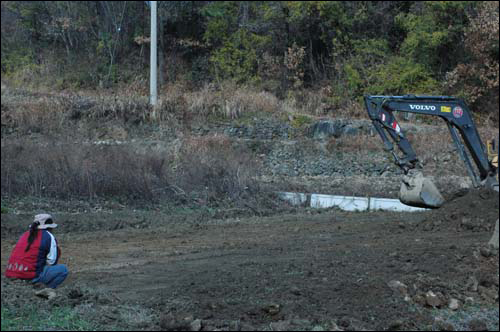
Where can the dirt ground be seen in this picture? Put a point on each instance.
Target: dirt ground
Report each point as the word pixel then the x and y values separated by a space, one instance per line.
pixel 311 270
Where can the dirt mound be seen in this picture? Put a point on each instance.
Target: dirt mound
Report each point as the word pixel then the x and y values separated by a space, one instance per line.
pixel 476 211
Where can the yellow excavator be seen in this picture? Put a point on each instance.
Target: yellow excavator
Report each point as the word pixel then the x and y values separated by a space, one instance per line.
pixel 416 189
pixel 492 154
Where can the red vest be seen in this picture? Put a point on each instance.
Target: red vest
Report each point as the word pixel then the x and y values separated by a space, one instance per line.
pixel 28 264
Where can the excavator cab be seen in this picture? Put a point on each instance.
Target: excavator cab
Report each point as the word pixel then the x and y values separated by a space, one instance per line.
pixel 416 189
pixel 493 149
pixel 493 152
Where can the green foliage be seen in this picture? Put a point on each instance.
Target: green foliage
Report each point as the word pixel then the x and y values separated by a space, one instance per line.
pixel 401 76
pixel 238 56
pixel 221 21
pixel 16 59
pixel 370 51
pixel 434 33
pixel 300 121
pixel 325 23
pixel 353 78
pixel 280 46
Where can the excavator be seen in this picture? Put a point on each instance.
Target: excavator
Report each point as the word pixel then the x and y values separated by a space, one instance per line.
pixel 416 189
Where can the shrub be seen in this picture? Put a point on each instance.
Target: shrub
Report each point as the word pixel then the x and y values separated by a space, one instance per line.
pixel 214 170
pixel 207 169
pixel 237 58
pixel 401 76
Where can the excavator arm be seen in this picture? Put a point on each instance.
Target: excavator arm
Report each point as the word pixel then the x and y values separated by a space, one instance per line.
pixel 458 118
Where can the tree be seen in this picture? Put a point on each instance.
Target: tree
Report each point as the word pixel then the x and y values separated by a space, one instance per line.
pixel 476 78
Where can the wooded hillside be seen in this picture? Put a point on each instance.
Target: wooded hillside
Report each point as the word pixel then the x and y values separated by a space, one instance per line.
pixel 341 49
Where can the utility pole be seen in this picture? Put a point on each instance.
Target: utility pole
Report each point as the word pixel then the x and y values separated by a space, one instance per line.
pixel 152 64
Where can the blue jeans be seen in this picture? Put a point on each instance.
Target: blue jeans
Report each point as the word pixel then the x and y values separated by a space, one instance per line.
pixel 52 275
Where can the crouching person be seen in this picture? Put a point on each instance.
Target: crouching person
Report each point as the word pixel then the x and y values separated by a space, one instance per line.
pixel 36 254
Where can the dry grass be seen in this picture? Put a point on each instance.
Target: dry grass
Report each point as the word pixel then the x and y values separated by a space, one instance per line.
pixel 214 169
pixel 33 114
pixel 205 170
pixel 47 112
pixel 426 143
pixel 355 143
pixel 28 112
pixel 230 103
pixel 44 110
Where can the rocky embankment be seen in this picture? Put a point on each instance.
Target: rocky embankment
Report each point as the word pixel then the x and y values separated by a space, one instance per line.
pixel 294 152
pixel 335 156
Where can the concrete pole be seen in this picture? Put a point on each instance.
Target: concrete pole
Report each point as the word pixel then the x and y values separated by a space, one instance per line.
pixel 153 63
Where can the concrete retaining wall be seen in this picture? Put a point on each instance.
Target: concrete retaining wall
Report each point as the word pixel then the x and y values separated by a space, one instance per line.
pixel 347 203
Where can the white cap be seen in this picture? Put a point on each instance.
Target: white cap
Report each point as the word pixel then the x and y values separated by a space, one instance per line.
pixel 45 221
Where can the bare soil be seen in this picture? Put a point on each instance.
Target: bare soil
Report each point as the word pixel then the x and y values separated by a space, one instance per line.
pixel 312 270
pixel 471 210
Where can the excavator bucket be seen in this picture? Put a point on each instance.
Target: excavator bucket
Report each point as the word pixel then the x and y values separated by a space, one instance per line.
pixel 417 190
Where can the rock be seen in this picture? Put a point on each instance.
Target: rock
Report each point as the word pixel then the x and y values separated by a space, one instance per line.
pixel 454 304
pixel 488 294
pixel 486 252
pixel 419 299
pixel 75 293
pixel 477 325
pixel 344 322
pixel 295 291
pixel 395 325
pixel 301 323
pixel 318 328
pixel 272 309
pixel 469 300
pixel 327 128
pixel 432 299
pixel 196 325
pixel 334 327
pixel 441 325
pixel 46 293
pixel 398 286
pixel 488 280
pixel 235 325
pixel 351 130
pixel 472 284
pixel 282 325
pixel 464 184
pixel 467 224
pixel 168 322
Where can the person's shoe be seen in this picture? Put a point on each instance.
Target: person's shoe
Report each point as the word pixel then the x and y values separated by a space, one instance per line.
pixel 38 286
